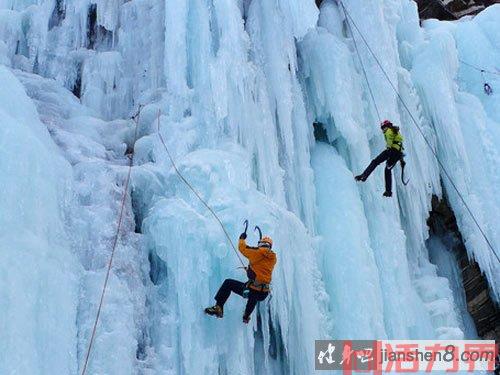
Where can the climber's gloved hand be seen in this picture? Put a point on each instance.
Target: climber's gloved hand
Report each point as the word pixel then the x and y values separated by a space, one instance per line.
pixel 243 236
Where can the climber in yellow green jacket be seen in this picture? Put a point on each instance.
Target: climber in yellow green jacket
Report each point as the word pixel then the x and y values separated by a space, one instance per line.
pixel 392 154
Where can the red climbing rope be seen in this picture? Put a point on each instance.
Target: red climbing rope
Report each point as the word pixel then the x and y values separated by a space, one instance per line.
pixel 115 242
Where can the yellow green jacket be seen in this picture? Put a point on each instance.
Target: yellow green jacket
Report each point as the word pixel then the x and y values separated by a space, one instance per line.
pixel 393 139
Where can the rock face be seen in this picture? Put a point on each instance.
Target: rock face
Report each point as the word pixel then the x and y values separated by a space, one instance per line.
pixel 480 305
pixel 447 9
pixel 451 9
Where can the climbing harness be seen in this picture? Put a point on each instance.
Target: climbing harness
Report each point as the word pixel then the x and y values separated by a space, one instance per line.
pixel 262 286
pixel 252 283
pixel 186 182
pixel 441 165
pixel 399 144
pixel 256 285
pixel 135 118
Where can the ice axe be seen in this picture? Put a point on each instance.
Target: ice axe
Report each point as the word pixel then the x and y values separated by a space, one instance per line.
pixel 245 223
pixel 260 232
pixel 403 165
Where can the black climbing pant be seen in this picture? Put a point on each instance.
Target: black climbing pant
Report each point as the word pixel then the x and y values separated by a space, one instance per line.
pixel 235 286
pixel 391 156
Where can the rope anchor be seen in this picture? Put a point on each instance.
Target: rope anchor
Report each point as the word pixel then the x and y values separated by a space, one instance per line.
pixel 488 90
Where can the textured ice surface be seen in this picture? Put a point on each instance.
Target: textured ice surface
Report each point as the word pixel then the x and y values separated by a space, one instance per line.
pixel 39 273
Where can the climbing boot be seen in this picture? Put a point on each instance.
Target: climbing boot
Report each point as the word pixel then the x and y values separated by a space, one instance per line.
pixel 246 319
pixel 360 177
pixel 216 310
pixel 387 194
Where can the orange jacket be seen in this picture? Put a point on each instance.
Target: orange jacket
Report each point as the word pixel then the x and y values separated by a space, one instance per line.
pixel 262 261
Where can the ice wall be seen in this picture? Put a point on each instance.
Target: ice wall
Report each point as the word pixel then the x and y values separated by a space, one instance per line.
pixel 447 266
pixel 403 48
pixel 465 125
pixel 351 131
pixel 185 237
pixel 39 272
pixel 95 150
pixel 236 86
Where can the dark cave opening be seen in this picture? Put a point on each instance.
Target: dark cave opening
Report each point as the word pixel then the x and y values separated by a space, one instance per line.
pixel 480 304
pixel 58 14
pixel 320 134
pixel 98 37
